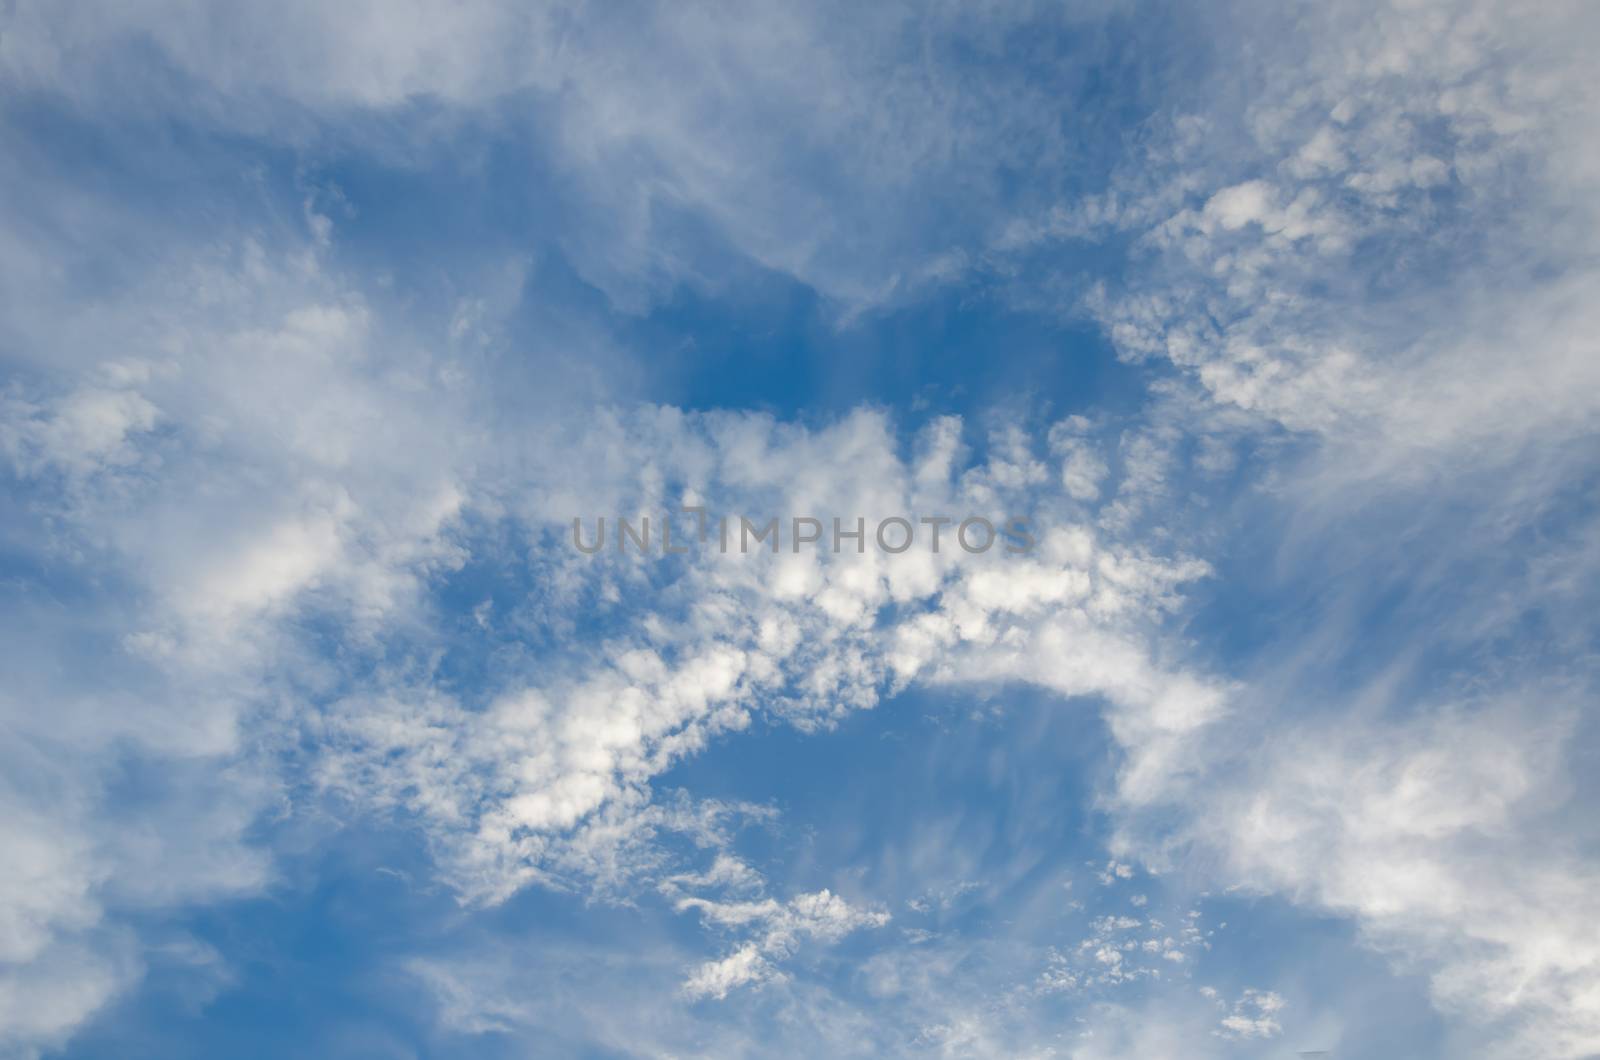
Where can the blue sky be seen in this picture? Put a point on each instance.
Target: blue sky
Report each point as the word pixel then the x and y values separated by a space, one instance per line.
pixel 320 324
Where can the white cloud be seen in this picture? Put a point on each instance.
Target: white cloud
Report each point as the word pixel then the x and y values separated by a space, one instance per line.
pixel 1361 259
pixel 1421 831
pixel 1379 260
pixel 83 432
pixel 1253 1016
pixel 779 928
pixel 506 783
pixel 205 485
pixel 743 967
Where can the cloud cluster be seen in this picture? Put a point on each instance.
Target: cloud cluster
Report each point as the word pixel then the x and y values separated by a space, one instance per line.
pixel 249 468
pixel 258 489
pixel 707 641
pixel 779 929
pixel 1378 254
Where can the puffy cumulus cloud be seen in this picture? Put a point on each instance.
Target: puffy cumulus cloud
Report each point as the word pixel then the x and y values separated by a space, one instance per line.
pixel 1370 229
pixel 1346 229
pixel 1370 240
pixel 234 457
pixel 1434 834
pixel 521 787
pixel 1418 770
pixel 273 464
pixel 1405 194
pixel 194 467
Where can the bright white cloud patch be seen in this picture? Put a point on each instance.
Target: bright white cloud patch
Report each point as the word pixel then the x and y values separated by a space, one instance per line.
pixel 515 786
